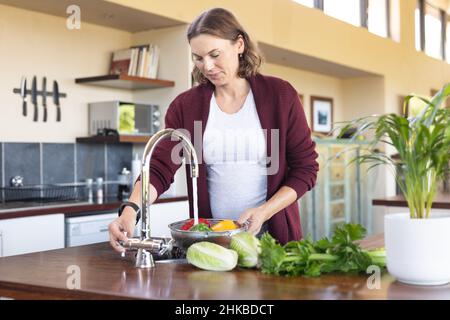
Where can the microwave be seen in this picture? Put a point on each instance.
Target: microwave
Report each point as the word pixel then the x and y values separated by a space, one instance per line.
pixel 128 118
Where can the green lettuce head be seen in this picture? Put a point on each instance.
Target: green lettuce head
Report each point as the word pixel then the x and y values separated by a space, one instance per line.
pixel 210 256
pixel 247 247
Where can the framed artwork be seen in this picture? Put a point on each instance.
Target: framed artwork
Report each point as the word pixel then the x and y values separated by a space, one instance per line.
pixel 321 114
pixel 404 112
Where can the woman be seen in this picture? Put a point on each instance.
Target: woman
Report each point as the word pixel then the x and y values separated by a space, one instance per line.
pixel 259 158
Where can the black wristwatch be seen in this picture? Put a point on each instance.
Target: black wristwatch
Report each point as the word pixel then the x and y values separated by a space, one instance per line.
pixel 134 206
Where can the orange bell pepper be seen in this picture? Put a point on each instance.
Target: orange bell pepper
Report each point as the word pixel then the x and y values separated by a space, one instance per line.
pixel 224 225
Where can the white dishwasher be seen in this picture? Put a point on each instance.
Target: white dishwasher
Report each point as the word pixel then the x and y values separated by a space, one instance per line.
pixel 87 229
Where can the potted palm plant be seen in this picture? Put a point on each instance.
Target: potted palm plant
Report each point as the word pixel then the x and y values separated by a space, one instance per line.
pixel 417 242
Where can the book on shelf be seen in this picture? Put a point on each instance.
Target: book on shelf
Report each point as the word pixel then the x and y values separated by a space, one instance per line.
pixel 138 61
pixel 120 61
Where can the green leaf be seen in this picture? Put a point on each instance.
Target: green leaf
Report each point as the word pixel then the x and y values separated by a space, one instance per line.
pixel 311 259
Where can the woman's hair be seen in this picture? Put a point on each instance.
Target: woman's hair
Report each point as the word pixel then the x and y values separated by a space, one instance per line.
pixel 223 24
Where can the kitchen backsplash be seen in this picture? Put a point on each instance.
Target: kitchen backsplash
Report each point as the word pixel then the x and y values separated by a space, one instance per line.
pixel 53 163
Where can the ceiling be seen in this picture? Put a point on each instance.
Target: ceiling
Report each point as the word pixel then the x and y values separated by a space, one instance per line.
pixel 297 60
pixel 99 12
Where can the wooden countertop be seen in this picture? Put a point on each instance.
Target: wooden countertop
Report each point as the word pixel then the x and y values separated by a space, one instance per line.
pixel 105 275
pixel 23 209
pixel 442 201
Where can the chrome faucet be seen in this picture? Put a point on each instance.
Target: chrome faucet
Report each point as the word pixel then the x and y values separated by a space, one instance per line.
pixel 145 244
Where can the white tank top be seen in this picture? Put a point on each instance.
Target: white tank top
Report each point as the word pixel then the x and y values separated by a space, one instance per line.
pixel 235 157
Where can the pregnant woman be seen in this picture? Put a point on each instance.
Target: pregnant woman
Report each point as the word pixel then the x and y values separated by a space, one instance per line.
pixel 257 156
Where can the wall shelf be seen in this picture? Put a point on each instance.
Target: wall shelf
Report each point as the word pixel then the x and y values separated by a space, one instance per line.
pixel 114 139
pixel 125 82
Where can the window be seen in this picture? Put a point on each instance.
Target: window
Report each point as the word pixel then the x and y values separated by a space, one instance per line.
pixel 345 10
pixel 306 3
pixel 432 27
pixel 378 17
pixel 433 31
pixel 418 27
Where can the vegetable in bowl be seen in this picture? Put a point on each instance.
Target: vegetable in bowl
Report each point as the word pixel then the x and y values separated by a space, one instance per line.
pixel 190 224
pixel 200 227
pixel 207 225
pixel 185 233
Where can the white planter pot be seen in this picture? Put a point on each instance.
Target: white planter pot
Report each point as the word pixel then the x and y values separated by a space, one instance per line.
pixel 418 250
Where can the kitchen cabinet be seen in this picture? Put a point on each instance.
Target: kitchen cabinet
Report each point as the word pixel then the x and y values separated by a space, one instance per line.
pixel 343 190
pixel 88 229
pixel 31 234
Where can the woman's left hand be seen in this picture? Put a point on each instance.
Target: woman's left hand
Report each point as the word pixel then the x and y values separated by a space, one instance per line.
pixel 256 217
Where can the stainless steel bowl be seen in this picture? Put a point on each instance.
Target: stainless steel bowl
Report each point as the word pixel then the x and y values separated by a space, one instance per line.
pixel 183 238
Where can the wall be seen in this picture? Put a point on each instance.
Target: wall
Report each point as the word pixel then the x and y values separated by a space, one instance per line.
pixel 281 23
pixel 39 44
pixel 293 27
pixel 308 84
pixel 288 25
pixel 174 65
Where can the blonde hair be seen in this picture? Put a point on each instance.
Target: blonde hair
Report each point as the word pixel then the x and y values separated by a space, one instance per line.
pixel 223 24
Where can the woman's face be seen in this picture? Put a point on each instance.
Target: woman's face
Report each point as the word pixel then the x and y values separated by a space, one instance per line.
pixel 217 58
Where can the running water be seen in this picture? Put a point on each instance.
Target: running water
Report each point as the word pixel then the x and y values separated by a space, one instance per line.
pixel 194 199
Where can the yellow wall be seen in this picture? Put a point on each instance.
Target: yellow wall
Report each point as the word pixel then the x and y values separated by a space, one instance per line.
pixel 308 31
pixel 38 44
pixel 310 84
pixel 288 25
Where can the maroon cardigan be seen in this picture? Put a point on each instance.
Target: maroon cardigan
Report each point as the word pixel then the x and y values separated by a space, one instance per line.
pixel 278 107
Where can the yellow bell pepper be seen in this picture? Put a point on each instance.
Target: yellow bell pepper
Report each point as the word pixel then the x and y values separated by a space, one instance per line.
pixel 224 225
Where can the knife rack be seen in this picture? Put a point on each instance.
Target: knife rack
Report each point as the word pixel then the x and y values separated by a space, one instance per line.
pixel 40 93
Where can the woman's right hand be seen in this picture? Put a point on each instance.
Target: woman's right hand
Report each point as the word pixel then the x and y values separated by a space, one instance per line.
pixel 125 223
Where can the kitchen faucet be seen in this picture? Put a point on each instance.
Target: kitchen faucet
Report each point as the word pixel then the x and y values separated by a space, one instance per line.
pixel 145 244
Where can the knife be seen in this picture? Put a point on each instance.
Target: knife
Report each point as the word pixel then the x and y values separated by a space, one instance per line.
pixel 34 98
pixel 44 97
pixel 23 94
pixel 56 100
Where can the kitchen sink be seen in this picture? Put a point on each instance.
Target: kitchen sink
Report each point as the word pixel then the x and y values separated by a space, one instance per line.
pixel 174 255
pixel 176 261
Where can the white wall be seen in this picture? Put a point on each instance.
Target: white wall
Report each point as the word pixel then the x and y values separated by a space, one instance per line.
pixel 38 44
pixel 173 65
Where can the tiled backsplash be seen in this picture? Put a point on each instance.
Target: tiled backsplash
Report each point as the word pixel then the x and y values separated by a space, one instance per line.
pixel 58 162
pixel 22 159
pixel 50 163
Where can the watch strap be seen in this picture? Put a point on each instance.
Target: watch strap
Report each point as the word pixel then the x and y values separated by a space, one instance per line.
pixel 134 206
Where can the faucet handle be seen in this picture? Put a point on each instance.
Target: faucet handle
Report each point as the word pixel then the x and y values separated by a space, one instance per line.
pixel 166 247
pixel 122 254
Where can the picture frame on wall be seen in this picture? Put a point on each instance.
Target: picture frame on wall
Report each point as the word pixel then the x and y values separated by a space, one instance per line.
pixel 321 114
pixel 403 109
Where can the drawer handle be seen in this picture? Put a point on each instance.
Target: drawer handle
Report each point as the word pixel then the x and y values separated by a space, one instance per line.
pixel 104 229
